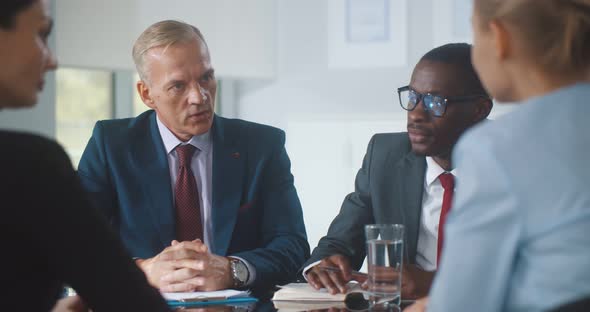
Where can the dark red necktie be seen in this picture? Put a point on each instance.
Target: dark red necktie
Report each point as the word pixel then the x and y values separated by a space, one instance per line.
pixel 447 180
pixel 186 194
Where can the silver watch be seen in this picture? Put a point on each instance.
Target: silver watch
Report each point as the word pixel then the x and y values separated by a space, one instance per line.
pixel 239 272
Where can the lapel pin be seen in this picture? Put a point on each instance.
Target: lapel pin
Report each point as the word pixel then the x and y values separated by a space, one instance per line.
pixel 235 155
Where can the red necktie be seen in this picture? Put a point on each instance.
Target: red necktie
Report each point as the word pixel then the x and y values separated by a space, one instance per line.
pixel 447 180
pixel 186 193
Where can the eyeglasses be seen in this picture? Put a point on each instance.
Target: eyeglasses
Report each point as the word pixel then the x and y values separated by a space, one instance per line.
pixel 436 105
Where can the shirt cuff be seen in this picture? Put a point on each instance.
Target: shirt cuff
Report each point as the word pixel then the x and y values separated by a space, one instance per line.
pixel 251 271
pixel 307 268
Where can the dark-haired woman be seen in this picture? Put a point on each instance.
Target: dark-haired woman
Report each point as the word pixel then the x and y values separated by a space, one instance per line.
pixel 49 233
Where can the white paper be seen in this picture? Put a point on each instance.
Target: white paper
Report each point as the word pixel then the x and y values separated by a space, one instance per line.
pixel 227 293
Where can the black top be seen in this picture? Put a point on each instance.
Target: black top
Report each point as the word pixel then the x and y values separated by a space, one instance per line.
pixel 51 236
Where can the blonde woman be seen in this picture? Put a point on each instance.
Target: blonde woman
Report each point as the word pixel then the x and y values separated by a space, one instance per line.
pixel 523 200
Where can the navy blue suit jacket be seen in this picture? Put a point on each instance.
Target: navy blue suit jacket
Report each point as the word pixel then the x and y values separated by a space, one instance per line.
pixel 256 213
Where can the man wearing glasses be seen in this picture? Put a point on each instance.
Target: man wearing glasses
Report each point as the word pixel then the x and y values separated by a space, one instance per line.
pixel 408 177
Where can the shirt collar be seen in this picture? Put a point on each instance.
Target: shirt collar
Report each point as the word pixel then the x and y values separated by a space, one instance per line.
pixel 433 170
pixel 201 141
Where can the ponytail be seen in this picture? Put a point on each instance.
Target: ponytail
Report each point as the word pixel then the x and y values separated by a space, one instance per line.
pixel 573 50
pixel 556 33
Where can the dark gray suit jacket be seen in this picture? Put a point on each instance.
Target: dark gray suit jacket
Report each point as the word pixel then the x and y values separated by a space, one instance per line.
pixel 388 189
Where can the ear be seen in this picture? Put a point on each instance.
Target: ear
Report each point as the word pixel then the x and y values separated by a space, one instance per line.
pixel 144 92
pixel 482 110
pixel 501 40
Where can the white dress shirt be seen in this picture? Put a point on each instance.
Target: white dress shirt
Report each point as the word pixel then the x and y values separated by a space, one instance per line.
pixel 202 168
pixel 431 206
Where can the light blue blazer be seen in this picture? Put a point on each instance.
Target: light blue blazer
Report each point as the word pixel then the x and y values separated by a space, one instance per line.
pixel 518 236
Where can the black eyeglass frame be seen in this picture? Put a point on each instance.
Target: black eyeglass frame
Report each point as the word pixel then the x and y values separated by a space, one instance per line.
pixel 445 99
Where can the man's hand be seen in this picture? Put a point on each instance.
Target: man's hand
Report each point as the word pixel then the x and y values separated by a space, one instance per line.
pixel 418 306
pixel 415 282
pixel 204 271
pixel 187 266
pixel 334 281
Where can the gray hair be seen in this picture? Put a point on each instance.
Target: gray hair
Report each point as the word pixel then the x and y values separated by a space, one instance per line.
pixel 162 34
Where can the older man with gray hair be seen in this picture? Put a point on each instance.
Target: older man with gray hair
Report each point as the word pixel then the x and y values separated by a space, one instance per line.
pixel 202 202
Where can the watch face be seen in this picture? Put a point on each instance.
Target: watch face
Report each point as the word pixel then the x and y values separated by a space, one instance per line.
pixel 241 271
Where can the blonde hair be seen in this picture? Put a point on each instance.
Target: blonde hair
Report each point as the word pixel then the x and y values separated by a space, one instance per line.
pixel 162 34
pixel 555 32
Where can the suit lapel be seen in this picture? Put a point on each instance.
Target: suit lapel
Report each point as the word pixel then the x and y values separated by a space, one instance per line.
pixel 228 170
pixel 410 180
pixel 152 163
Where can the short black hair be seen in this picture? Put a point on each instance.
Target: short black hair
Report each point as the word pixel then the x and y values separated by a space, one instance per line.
pixel 9 9
pixel 459 56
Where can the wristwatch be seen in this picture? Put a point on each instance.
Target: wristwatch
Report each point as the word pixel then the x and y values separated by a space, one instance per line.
pixel 239 271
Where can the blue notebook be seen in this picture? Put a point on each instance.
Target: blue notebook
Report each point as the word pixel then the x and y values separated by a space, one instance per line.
pixel 220 297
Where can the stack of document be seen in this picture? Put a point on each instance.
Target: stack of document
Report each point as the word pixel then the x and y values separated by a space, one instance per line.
pixel 303 297
pixel 297 306
pixel 304 292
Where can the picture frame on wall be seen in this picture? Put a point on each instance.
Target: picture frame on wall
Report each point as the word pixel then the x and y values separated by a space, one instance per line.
pixel 367 33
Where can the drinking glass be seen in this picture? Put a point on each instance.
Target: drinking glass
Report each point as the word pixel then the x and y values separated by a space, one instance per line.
pixel 385 245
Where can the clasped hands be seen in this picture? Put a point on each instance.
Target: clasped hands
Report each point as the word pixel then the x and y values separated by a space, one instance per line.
pixel 415 282
pixel 187 266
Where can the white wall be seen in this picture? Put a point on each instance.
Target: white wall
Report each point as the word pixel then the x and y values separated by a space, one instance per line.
pixel 329 115
pixel 96 34
pixel 100 34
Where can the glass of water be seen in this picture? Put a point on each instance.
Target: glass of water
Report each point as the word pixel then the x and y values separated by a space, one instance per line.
pixel 385 245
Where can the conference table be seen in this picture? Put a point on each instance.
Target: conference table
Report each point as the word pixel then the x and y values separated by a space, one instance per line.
pixel 265 303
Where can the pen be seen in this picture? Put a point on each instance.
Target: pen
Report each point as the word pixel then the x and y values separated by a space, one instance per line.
pixel 335 269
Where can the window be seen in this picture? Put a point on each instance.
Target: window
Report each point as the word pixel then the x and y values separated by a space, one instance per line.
pixel 85 96
pixel 82 98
